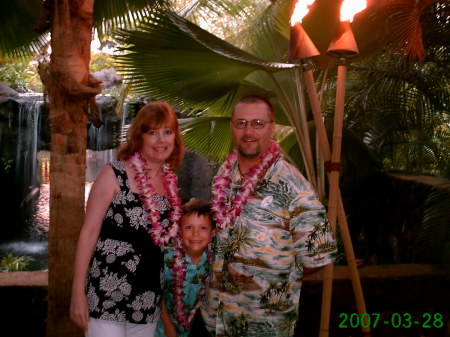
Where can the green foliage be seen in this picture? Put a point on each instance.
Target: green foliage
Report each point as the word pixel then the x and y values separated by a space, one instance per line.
pixel 33 78
pixel 100 61
pixel 433 240
pixel 10 263
pixel 19 20
pixel 21 76
pixel 399 108
pixel 12 75
pixel 6 164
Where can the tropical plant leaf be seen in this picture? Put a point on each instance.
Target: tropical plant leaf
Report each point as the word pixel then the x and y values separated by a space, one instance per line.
pixel 289 144
pixel 208 136
pixel 398 109
pixel 31 35
pixel 210 68
pixel 18 19
pixel 433 239
pixel 110 15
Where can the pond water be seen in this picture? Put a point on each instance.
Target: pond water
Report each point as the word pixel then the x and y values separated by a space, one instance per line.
pixel 32 243
pixel 25 138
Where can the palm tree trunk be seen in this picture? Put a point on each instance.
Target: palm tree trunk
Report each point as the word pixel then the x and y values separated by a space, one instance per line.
pixel 70 89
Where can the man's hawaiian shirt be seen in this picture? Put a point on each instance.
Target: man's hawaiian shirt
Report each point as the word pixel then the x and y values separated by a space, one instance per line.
pixel 258 262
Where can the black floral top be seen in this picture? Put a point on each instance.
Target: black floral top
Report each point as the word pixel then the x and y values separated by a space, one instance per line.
pixel 124 278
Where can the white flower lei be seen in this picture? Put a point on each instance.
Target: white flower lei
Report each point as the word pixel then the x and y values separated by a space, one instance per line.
pixel 224 215
pixel 160 236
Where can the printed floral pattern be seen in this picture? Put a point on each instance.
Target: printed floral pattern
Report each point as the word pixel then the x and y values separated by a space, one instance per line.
pixel 258 263
pixel 124 283
pixel 192 286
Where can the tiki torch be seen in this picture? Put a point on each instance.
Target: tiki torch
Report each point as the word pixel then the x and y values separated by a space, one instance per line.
pixel 302 48
pixel 343 46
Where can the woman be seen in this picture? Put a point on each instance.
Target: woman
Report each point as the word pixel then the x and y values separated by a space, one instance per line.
pixel 132 212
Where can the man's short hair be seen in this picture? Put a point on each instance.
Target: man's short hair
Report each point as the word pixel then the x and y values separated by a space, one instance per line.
pixel 253 98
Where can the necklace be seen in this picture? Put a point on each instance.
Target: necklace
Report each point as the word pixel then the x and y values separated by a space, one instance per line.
pixel 226 214
pixel 243 175
pixel 183 317
pixel 161 236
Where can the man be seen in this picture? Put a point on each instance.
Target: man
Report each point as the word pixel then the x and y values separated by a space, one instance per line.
pixel 271 230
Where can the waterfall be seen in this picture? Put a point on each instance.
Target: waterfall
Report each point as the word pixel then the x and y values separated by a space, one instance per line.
pixel 31 183
pixel 27 148
pixel 123 123
pixel 95 160
pixel 22 144
pixel 97 138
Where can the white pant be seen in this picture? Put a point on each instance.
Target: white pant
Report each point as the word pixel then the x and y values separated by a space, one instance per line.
pixel 102 328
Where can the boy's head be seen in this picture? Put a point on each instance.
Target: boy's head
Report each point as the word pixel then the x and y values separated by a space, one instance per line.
pixel 197 227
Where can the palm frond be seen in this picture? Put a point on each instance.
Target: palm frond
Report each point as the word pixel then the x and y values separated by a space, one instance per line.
pixel 433 240
pixel 397 108
pixel 170 58
pixel 406 25
pixel 208 136
pixel 110 15
pixel 291 150
pixel 18 21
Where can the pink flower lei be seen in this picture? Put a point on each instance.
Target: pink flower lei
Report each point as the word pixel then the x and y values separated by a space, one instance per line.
pixel 162 237
pixel 159 235
pixel 179 277
pixel 225 215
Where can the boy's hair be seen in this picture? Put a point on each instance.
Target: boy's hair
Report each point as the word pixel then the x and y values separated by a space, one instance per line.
pixel 199 207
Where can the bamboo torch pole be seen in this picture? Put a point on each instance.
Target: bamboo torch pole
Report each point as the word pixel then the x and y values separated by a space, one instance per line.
pixel 334 168
pixel 341 217
pixel 301 47
pixel 342 47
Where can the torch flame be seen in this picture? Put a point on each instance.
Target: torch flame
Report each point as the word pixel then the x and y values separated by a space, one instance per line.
pixel 351 7
pixel 300 10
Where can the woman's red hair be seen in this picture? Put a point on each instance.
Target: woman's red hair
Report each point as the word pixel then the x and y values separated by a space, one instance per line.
pixel 150 117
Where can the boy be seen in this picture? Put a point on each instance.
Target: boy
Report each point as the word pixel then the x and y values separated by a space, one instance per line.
pixel 186 267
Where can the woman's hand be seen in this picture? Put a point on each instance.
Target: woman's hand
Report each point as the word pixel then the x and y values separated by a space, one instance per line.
pixel 102 192
pixel 79 311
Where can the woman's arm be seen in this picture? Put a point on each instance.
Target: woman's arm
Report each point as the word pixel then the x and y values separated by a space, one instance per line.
pixel 100 197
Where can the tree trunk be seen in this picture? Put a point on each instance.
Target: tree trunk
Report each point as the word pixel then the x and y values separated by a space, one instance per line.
pixel 70 90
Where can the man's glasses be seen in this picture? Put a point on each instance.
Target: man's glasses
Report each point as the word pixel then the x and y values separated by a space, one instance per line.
pixel 255 123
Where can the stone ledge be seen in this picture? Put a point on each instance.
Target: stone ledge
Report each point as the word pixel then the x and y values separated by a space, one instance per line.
pixel 24 279
pixel 386 271
pixel 40 278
